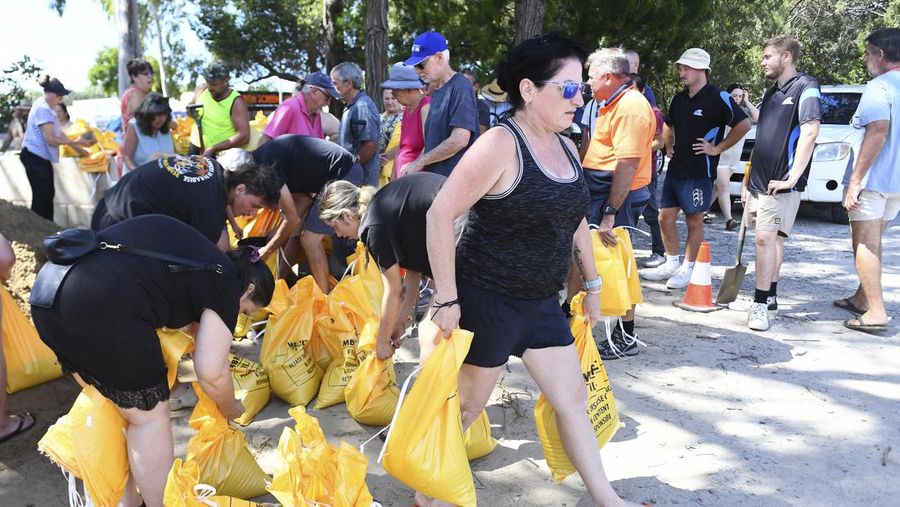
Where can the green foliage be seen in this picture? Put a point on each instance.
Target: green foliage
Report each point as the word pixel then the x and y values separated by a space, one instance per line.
pixel 11 90
pixel 104 78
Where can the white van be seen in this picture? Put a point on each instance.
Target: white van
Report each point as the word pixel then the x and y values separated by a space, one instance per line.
pixel 837 137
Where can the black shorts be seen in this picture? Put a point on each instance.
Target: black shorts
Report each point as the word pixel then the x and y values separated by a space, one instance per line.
pixel 506 326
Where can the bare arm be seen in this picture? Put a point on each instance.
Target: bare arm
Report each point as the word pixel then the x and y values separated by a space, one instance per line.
pixel 292 220
pixel 390 310
pixel 128 147
pixel 7 259
pixel 61 140
pixel 805 145
pixel 626 168
pixel 211 363
pixel 752 111
pixel 331 126
pixel 425 109
pixel 263 139
pixel 873 142
pixel 668 136
pixel 458 140
pixel 585 143
pixel 367 150
pixel 734 135
pixel 481 169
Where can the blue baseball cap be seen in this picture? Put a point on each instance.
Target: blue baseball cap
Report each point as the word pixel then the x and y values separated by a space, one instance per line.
pixel 425 45
pixel 323 82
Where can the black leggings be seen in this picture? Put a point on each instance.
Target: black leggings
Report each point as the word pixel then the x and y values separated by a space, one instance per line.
pixel 40 176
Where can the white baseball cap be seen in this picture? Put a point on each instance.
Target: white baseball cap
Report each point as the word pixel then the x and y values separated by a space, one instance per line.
pixel 695 58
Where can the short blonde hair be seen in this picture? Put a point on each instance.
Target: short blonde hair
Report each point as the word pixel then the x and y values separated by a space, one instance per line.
pixel 340 196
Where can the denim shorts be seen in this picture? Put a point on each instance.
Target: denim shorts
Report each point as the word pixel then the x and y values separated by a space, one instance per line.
pixel 692 195
pixel 507 326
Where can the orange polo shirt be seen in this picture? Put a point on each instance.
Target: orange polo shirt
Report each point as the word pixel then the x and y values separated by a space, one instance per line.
pixel 625 129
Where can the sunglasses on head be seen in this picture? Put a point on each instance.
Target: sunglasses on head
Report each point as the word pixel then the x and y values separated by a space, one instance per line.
pixel 570 89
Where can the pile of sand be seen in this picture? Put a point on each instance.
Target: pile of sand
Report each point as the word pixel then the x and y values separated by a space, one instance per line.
pixel 26 231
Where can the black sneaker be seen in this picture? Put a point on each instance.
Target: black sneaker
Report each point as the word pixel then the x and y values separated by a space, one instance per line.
pixel 772 303
pixel 617 346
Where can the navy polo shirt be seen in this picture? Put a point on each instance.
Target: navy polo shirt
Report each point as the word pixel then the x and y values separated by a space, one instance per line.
pixel 781 113
pixel 704 115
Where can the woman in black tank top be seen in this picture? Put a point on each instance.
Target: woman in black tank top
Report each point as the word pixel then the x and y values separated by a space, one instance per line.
pixel 526 199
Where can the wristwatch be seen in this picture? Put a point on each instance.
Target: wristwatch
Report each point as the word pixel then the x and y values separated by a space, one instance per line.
pixel 609 210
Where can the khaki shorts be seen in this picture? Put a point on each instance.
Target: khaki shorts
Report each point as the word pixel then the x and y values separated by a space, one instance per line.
pixel 875 206
pixel 773 212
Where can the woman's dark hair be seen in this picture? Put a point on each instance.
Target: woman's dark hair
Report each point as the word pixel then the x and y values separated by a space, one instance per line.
pixel 137 66
pixel 538 59
pixel 734 86
pixel 639 81
pixel 251 269
pixel 152 105
pixel 65 109
pixel 261 180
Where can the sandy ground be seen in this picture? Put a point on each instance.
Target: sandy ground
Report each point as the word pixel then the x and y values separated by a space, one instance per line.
pixel 714 414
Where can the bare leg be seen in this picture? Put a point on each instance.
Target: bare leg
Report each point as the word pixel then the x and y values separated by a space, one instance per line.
pixel 557 372
pixel 766 258
pixel 722 192
pixel 867 236
pixel 671 238
pixel 695 236
pixel 150 450
pixel 316 257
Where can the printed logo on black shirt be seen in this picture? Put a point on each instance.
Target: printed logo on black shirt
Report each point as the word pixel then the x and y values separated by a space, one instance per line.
pixel 190 169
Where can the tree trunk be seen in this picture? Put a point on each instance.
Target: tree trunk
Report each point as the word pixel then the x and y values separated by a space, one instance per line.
pixel 129 39
pixel 163 81
pixel 334 44
pixel 529 18
pixel 376 48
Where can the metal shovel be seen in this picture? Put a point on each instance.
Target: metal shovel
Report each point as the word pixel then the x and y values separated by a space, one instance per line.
pixel 734 277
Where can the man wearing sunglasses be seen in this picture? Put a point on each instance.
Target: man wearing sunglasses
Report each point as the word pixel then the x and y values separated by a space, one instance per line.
pixel 618 165
pixel 452 123
pixel 302 114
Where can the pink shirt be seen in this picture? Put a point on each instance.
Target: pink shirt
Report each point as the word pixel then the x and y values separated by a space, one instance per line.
pixel 291 118
pixel 412 140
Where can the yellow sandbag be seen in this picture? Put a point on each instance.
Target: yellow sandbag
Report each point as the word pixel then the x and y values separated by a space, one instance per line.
pixel 424 448
pixel 602 411
pixel 626 251
pixel 89 442
pixel 29 361
pixel 372 393
pixel 478 439
pixel 350 488
pixel 339 373
pixel 333 322
pixel 363 265
pixel 221 453
pixel 251 386
pixel 184 489
pixel 287 478
pixel 293 374
pixel 614 297
pixel 387 172
pixel 174 344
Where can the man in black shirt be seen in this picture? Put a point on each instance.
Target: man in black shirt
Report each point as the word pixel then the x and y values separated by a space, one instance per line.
pixel 789 119
pixel 694 134
pixel 304 165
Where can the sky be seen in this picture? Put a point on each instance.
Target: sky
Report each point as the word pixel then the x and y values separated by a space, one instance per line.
pixel 65 46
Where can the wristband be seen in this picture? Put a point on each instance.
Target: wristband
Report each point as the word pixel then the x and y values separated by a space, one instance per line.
pixel 594 284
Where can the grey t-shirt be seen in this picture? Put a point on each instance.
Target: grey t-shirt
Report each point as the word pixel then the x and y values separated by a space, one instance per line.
pixel 361 122
pixel 452 106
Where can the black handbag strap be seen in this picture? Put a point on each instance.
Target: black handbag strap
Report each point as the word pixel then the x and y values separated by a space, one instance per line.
pixel 175 264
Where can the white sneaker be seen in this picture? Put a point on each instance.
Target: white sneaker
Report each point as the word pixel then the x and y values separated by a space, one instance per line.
pixel 758 318
pixel 659 273
pixel 681 278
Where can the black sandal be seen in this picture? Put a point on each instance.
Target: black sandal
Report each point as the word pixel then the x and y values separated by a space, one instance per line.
pixel 21 428
pixel 732 224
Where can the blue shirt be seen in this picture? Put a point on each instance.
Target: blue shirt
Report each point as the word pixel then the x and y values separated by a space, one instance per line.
pixel 361 122
pixel 41 113
pixel 881 101
pixel 452 106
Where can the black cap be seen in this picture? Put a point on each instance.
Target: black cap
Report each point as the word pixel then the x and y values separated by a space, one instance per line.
pixel 55 86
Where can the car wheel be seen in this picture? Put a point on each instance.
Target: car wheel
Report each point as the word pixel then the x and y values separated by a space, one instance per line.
pixel 839 214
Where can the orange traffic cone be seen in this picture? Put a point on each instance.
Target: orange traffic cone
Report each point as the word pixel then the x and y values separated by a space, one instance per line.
pixel 698 297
